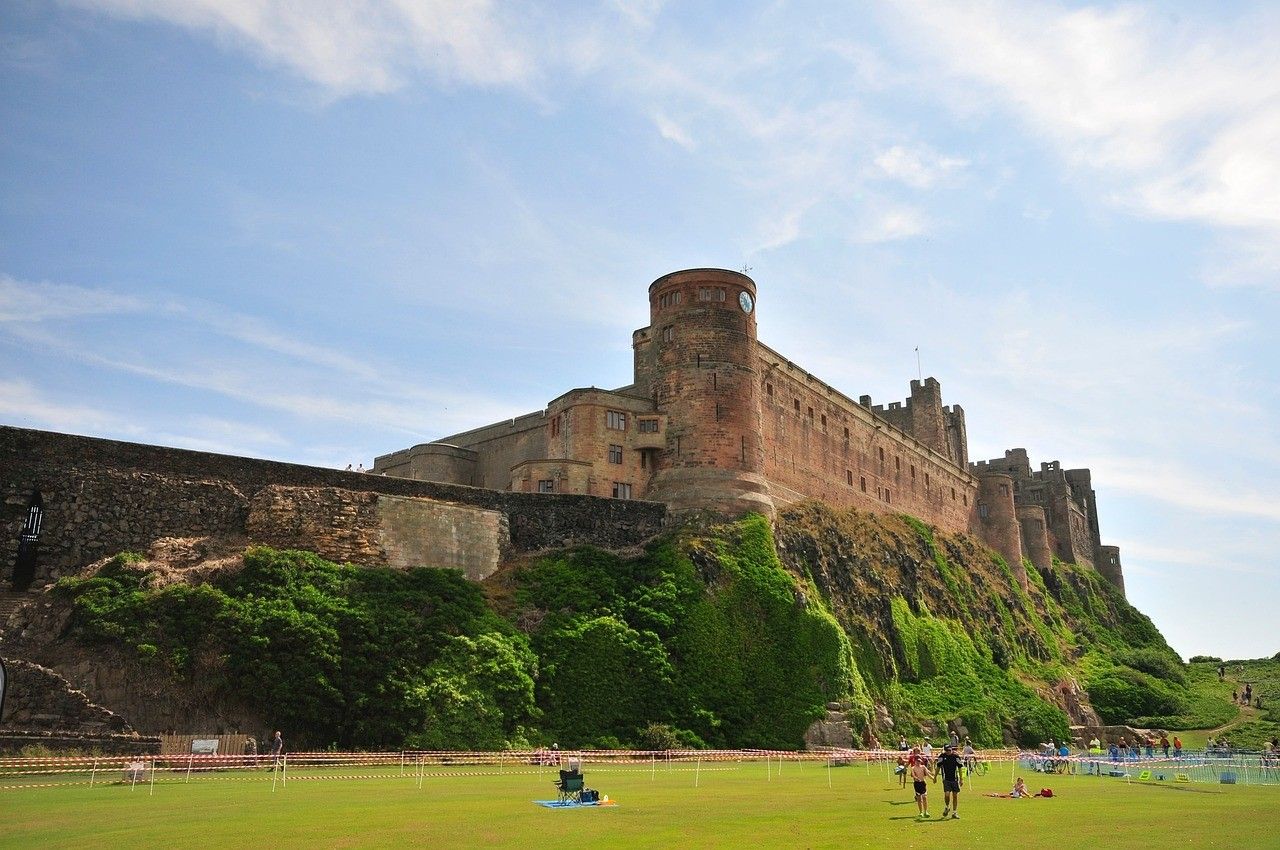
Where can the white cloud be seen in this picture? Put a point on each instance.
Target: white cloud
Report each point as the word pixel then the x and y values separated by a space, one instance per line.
pixel 891 225
pixel 360 46
pixel 671 131
pixel 919 168
pixel 22 301
pixel 1182 113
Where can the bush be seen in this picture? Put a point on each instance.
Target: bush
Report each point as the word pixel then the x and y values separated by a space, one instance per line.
pixel 1205 659
pixel 1155 662
pixel 1122 694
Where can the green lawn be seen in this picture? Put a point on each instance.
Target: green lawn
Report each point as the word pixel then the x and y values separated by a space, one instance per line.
pixel 732 807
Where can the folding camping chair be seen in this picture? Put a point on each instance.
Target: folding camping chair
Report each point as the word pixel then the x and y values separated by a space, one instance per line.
pixel 569 786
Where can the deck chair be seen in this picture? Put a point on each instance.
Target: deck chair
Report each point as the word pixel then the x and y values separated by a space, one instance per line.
pixel 569 786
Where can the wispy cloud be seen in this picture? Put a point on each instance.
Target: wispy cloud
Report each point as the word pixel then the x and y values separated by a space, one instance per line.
pixel 919 168
pixel 673 132
pixel 1182 113
pixel 891 225
pixel 361 46
pixel 36 302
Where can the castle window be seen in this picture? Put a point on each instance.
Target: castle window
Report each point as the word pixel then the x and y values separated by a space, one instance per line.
pixel 1004 489
pixel 671 299
pixel 811 414
pixel 555 425
pixel 965 498
pixel 615 454
pixel 648 426
pixel 863 480
pixel 846 435
pixel 768 390
pixel 913 472
pixel 546 485
pixel 953 494
pixel 615 420
pixel 983 510
pixel 897 463
pixel 888 499
pixel 796 402
pixel 621 490
pixel 926 481
pixel 824 420
pixel 668 333
pixel 848 474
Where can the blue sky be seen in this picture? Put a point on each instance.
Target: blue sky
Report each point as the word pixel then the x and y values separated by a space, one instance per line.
pixel 320 232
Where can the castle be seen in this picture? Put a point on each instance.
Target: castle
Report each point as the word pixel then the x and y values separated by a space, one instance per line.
pixel 716 420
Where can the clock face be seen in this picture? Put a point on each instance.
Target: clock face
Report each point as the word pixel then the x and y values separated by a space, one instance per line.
pixel 745 302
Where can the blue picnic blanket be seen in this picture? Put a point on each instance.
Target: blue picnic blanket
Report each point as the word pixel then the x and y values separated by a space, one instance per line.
pixel 572 804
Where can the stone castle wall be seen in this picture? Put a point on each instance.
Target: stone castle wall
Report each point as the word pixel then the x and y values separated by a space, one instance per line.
pixel 820 444
pixel 103 496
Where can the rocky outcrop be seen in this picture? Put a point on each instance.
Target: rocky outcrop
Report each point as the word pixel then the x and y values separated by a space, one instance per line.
pixel 834 730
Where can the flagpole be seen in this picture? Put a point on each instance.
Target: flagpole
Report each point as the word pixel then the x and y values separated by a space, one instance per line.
pixel 919 371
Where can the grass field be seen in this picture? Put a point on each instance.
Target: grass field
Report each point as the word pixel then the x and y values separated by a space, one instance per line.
pixel 735 805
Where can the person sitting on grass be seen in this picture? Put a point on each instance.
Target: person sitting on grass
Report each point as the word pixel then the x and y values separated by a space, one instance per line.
pixel 1019 789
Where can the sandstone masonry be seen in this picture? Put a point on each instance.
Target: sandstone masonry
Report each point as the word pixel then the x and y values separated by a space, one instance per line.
pixel 716 420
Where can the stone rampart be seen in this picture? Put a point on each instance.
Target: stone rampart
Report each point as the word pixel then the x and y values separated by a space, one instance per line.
pixel 105 496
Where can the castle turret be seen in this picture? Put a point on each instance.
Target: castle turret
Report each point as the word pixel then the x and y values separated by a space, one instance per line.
pixel 1109 566
pixel 927 422
pixel 997 521
pixel 702 363
pixel 1035 536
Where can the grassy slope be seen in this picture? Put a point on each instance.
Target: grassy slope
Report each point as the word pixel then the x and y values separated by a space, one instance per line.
pixel 737 808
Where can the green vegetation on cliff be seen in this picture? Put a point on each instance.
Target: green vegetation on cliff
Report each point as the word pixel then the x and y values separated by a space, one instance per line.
pixel 718 635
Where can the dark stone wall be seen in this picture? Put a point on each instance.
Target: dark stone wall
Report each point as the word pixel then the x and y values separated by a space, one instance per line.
pixel 104 496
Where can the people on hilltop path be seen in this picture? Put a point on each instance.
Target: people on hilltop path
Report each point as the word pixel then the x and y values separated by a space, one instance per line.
pixel 1248 693
pixel 920 773
pixel 902 743
pixel 955 738
pixel 348 467
pixel 949 766
pixel 1222 672
pixel 1235 697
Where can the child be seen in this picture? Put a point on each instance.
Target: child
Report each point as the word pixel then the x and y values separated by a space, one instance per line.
pixel 1019 789
pixel 919 773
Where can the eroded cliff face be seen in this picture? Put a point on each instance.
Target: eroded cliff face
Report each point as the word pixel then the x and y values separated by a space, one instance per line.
pixel 852 625
pixel 124 678
pixel 925 608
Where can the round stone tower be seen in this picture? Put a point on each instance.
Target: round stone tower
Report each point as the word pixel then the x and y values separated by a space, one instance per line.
pixel 704 378
pixel 998 520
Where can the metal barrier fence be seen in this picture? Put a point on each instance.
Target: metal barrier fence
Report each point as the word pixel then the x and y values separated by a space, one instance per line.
pixel 147 770
pixel 418 766
pixel 1234 767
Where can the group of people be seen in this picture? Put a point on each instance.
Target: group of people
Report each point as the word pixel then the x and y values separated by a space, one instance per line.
pixel 1121 751
pixel 920 764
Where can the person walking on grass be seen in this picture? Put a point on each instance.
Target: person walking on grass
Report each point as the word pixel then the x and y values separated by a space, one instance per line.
pixel 919 773
pixel 949 766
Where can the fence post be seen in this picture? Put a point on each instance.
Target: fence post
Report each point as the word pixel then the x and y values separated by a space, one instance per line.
pixel 697 774
pixel 152 793
pixel 94 774
pixel 190 756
